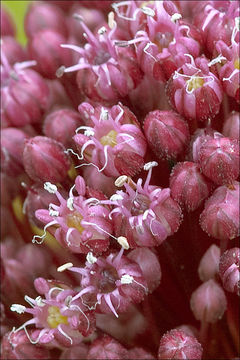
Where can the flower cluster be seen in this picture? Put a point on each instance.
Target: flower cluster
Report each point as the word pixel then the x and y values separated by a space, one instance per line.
pixel 120 181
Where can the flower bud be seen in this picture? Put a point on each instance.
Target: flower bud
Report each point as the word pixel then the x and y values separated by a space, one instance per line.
pixel 60 125
pixel 167 133
pixel 199 138
pixel 13 51
pixel 44 160
pixel 45 48
pixel 229 270
pixel 107 348
pixel 12 145
pixel 7 24
pixel 208 302
pixel 176 344
pixel 75 352
pixel 16 345
pixel 26 95
pixel 220 217
pixel 41 16
pixel 219 160
pixel 92 17
pixel 208 266
pixel 188 186
pixel 231 127
pixel 149 265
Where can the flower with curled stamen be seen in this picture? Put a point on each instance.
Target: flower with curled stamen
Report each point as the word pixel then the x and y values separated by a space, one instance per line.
pixel 104 71
pixel 194 91
pixel 110 284
pixel 147 214
pixel 62 320
pixel 81 224
pixel 113 143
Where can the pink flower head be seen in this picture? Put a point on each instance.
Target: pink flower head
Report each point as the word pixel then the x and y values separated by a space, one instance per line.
pixel 80 223
pixel 111 284
pixel 114 143
pixel 220 217
pixel 219 160
pixel 176 344
pixel 229 270
pixel 194 91
pixel 23 92
pixel 61 318
pixel 147 213
pixel 105 72
pixel 188 186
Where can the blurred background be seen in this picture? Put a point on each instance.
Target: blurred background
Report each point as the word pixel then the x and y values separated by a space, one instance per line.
pixel 17 10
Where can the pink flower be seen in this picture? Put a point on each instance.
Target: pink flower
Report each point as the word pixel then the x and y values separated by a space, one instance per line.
pixel 80 223
pixel 111 284
pixel 194 91
pixel 113 142
pixel 147 213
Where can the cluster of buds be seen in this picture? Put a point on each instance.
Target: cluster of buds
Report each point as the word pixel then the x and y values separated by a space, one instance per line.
pixel 120 181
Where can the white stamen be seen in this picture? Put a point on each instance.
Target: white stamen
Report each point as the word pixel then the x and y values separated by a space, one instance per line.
pixel 148 11
pixel 64 334
pixel 111 21
pixel 104 114
pixel 218 59
pixel 91 258
pixel 64 267
pixel 70 203
pixel 51 188
pixel 89 132
pixel 126 279
pixel 123 242
pixel 120 181
pixel 148 53
pixel 176 17
pixel 20 309
pixel 39 301
pixel 150 165
pixel 102 30
pixel 42 237
pixel 53 212
pixel 116 197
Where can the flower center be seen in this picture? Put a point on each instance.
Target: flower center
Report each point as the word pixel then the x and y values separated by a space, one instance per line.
pixel 108 277
pixel 140 204
pixel 109 139
pixel 194 83
pixel 162 40
pixel 237 64
pixel 101 57
pixel 74 220
pixel 55 318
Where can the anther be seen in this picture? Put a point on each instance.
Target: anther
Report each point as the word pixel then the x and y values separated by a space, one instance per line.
pixel 123 242
pixel 51 188
pixel 120 181
pixel 91 259
pixel 150 165
pixel 20 309
pixel 64 267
